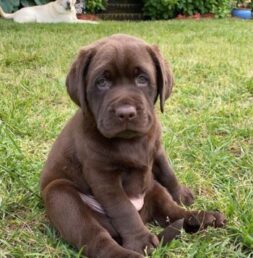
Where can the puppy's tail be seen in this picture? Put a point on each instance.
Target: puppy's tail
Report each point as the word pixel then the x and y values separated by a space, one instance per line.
pixel 6 15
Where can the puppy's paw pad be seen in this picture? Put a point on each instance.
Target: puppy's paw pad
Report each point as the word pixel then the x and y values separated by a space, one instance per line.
pixel 171 232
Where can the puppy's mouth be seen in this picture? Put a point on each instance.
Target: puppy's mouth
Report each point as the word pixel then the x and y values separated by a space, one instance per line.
pixel 124 134
pixel 125 130
pixel 128 134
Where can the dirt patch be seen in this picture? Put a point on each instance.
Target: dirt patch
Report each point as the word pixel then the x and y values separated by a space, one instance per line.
pixel 90 17
pixel 196 16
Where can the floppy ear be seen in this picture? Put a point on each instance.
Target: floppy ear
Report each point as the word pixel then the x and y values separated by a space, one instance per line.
pixel 76 78
pixel 164 76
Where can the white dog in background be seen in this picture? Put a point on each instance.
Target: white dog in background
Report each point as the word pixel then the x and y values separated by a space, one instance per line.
pixel 53 12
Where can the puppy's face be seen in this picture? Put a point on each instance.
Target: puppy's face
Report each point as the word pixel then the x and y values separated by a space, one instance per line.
pixel 121 89
pixel 121 78
pixel 66 4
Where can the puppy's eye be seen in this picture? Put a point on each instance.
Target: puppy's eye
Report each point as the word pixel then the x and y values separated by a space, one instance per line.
pixel 103 83
pixel 142 80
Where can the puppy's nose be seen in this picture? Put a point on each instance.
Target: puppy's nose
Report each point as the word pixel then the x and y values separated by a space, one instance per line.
pixel 126 113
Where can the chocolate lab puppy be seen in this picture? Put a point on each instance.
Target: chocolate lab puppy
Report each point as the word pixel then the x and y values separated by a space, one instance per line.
pixel 107 173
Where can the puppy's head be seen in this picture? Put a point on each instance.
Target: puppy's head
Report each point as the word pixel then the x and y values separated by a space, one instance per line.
pixel 65 5
pixel 118 79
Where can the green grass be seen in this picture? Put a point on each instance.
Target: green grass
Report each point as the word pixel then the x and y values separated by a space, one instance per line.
pixel 207 126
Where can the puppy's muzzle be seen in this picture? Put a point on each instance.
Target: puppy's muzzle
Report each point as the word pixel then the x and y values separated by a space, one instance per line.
pixel 125 113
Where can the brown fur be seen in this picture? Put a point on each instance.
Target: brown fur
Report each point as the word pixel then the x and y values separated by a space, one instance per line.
pixel 111 149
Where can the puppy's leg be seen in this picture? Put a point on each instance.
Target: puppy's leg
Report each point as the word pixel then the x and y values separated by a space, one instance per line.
pixel 160 206
pixel 76 223
pixel 166 177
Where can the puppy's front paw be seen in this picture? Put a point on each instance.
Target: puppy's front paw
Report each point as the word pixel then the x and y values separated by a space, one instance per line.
pixel 142 243
pixel 202 219
pixel 183 195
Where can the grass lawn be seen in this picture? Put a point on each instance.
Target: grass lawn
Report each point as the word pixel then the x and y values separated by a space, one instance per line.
pixel 207 126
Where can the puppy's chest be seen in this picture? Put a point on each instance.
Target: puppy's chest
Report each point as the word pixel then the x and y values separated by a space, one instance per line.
pixel 135 169
pixel 136 181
